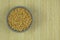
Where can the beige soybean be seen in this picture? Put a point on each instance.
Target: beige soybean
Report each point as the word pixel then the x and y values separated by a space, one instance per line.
pixel 19 19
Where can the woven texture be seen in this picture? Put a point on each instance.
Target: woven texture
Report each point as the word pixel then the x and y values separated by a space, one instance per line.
pixel 46 20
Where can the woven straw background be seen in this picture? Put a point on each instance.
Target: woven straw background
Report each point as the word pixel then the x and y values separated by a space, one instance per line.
pixel 46 20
